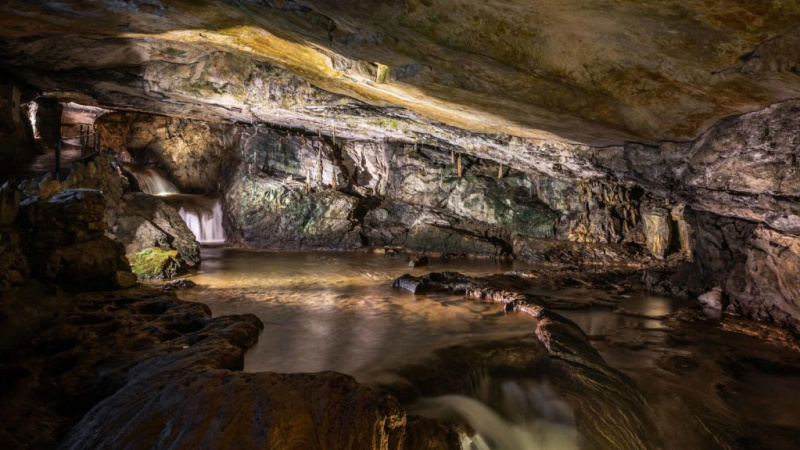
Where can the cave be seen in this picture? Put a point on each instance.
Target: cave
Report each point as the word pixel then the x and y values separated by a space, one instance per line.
pixel 415 225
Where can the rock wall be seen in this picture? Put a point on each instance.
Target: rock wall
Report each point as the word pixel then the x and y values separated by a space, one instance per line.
pixel 194 154
pixel 702 200
pixel 290 189
pixel 78 231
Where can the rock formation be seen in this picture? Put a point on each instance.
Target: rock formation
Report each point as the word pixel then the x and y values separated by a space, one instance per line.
pixel 655 140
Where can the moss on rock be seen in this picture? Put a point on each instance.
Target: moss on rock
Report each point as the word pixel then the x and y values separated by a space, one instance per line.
pixel 155 263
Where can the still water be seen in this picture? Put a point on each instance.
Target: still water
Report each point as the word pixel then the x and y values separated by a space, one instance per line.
pixel 337 311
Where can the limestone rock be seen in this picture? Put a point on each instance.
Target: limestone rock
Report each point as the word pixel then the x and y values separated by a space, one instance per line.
pixel 712 299
pixel 156 264
pixel 125 279
pixel 770 277
pixel 658 231
pixel 576 254
pixel 65 241
pixel 620 84
pixel 271 214
pixel 145 222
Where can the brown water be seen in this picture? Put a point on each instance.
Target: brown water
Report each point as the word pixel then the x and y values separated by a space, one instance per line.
pixel 337 311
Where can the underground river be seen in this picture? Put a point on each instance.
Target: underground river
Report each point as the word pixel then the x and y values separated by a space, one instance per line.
pixel 338 312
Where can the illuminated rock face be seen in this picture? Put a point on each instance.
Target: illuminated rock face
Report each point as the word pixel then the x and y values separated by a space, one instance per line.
pixel 598 72
pixel 603 112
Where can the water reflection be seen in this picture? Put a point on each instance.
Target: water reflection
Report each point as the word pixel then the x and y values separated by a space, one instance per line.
pixel 337 311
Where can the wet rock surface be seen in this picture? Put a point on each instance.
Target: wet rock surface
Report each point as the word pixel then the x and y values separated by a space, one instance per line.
pixel 690 374
pixel 140 368
pixel 609 410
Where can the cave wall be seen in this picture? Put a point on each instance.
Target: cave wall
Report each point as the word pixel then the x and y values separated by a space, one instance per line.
pixel 195 155
pixel 291 189
pixel 725 203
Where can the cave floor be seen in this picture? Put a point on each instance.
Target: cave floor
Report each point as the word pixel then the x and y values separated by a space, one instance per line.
pixel 708 382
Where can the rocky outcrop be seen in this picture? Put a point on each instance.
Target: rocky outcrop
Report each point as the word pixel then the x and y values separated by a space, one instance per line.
pixel 65 240
pixel 507 72
pixel 147 222
pixel 276 214
pixel 755 266
pixel 95 203
pixel 612 415
pixel 194 153
pixel 112 356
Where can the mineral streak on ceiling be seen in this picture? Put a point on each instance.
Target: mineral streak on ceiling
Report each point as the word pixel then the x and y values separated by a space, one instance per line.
pixel 598 72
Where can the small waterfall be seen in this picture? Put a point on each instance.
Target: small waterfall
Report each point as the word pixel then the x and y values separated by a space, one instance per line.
pixel 202 215
pixel 206 226
pixel 150 180
pixel 520 415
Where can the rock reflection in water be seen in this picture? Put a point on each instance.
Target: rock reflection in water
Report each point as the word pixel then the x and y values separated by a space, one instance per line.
pixel 337 311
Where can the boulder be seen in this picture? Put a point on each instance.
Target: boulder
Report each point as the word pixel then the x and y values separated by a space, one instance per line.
pixel 64 238
pixel 156 264
pixel 418 261
pixel 267 213
pixel 576 254
pixel 147 222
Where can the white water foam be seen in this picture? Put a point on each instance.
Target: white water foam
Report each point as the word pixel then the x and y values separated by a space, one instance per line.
pixel 526 416
pixel 207 228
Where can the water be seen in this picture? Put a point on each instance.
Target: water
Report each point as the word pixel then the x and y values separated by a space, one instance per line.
pixel 202 215
pixel 509 415
pixel 337 311
pixel 150 180
pixel 204 221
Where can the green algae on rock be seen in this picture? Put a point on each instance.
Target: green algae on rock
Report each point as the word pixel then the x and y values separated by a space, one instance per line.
pixel 155 263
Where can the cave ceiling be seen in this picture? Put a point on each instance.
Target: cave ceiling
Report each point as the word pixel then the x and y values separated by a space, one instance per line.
pixel 593 72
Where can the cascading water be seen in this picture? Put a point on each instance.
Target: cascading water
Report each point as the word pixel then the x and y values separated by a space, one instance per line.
pixel 510 415
pixel 206 225
pixel 202 215
pixel 150 180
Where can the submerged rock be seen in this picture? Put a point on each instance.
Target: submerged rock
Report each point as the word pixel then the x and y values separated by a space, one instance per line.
pixel 418 261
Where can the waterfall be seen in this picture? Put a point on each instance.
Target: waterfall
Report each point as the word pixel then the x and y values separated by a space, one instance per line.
pixel 206 226
pixel 519 416
pixel 150 180
pixel 202 215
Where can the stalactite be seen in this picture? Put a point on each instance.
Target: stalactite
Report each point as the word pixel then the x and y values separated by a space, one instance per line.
pixel 319 167
pixel 500 172
pixel 334 186
pixel 452 156
pixel 459 167
pixel 308 181
pixel 333 134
